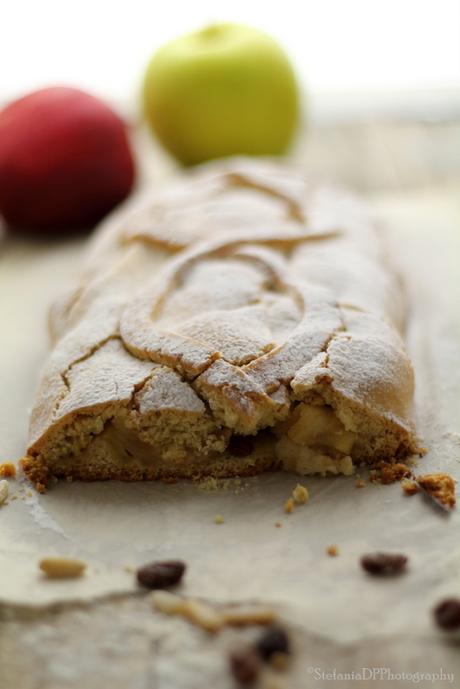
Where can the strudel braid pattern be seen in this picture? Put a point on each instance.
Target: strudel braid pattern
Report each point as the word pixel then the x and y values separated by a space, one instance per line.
pixel 237 321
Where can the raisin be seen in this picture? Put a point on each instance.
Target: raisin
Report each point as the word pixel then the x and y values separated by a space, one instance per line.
pixel 161 575
pixel 273 641
pixel 244 666
pixel 384 564
pixel 447 614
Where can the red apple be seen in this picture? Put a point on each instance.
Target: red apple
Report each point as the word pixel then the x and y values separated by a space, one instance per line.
pixel 65 161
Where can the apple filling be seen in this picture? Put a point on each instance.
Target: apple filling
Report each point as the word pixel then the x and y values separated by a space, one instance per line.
pixel 315 441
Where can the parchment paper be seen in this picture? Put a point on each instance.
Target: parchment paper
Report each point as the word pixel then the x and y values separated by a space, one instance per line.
pixel 248 558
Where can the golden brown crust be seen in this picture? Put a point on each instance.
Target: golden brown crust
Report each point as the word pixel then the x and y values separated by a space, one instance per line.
pixel 42 475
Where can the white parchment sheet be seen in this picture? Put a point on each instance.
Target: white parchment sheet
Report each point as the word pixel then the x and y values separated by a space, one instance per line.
pixel 110 525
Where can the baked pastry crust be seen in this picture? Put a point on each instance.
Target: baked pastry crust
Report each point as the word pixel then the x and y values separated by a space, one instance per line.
pixel 241 301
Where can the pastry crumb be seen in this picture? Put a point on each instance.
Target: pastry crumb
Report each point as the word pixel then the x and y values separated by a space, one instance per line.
pixel 332 550
pixel 61 567
pixel 300 494
pixel 439 487
pixel 278 525
pixel 4 490
pixel 359 483
pixel 218 519
pixel 7 470
pixel 129 568
pixel 390 472
pixel 409 487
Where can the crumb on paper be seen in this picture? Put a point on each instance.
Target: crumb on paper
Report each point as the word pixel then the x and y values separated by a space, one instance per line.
pixel 332 550
pixel 62 567
pixel 4 490
pixel 300 494
pixel 440 487
pixel 218 519
pixel 390 472
pixel 278 525
pixel 7 470
pixel 129 568
pixel 409 487
pixel 359 483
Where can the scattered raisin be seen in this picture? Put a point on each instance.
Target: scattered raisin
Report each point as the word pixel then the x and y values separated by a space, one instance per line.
pixel 244 666
pixel 161 575
pixel 447 614
pixel 384 564
pixel 240 446
pixel 273 640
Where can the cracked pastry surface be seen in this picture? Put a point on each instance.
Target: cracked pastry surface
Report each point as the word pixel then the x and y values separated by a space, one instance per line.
pixel 238 302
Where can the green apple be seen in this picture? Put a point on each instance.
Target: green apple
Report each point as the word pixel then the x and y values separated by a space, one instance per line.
pixel 224 90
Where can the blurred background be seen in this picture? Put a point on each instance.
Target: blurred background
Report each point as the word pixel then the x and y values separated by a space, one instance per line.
pixel 380 79
pixel 403 53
